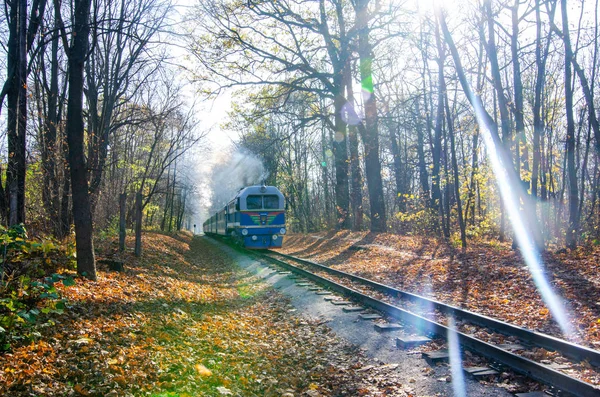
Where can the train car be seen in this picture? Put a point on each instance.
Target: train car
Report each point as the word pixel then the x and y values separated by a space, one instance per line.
pixel 254 218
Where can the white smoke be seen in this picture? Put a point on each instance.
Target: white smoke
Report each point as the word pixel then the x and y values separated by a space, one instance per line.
pixel 231 171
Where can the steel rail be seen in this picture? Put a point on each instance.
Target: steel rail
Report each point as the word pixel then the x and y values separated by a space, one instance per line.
pixel 528 336
pixel 518 363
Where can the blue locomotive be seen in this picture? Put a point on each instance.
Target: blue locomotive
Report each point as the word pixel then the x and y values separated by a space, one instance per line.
pixel 255 218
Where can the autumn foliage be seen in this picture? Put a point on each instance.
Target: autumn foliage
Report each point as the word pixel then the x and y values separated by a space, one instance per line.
pixel 182 320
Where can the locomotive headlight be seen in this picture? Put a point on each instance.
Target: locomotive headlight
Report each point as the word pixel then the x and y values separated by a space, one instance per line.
pixel 254 238
pixel 244 232
pixel 275 237
pixel 282 231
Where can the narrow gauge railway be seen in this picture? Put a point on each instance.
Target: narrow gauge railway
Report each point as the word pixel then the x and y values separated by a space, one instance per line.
pixel 496 353
pixel 254 218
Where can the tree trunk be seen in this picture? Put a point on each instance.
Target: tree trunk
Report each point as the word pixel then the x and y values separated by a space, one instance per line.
pixel 12 89
pixel 436 151
pixel 573 226
pixel 497 81
pixel 325 177
pixel 122 221
pixel 443 93
pixel 342 194
pixel 486 121
pixel 66 215
pixel 356 198
pixel 399 173
pixel 48 150
pixel 173 185
pixel 20 42
pixel 20 150
pixel 82 215
pixel 423 174
pixel 163 223
pixel 470 205
pixel 138 224
pixel 538 121
pixel 371 134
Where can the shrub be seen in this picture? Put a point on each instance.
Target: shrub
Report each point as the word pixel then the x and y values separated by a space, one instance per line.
pixel 27 294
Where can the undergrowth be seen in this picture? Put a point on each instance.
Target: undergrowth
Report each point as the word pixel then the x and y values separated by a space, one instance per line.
pixel 28 274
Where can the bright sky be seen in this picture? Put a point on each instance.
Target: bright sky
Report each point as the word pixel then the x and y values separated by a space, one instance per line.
pixel 211 114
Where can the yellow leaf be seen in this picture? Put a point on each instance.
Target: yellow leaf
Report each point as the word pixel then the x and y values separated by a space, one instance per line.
pixel 120 380
pixel 80 390
pixel 202 370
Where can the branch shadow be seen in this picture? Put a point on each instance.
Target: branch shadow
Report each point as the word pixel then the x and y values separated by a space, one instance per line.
pixel 324 243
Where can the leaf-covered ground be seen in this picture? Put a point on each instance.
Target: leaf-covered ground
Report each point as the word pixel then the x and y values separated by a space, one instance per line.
pixel 184 321
pixel 488 278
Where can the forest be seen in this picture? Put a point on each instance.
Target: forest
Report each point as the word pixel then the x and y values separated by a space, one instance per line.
pixel 409 117
pixel 460 119
pixel 447 147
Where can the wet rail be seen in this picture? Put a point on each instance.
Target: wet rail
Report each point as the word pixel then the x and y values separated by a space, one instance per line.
pixel 520 364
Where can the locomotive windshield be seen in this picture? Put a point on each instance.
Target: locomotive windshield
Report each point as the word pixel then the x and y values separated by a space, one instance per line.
pixel 271 202
pixel 258 202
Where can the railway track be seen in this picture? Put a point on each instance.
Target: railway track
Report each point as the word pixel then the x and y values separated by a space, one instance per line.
pixel 362 291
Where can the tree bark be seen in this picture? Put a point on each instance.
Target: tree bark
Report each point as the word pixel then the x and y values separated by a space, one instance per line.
pixel 443 93
pixel 356 198
pixel 122 221
pixel 573 226
pixel 50 132
pixel 340 153
pixel 82 215
pixel 423 174
pixel 13 89
pixel 436 151
pixel 371 134
pixel 399 172
pixel 138 224
pixel 497 80
pixel 20 42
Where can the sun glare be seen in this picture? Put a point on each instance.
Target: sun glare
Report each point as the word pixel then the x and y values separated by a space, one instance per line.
pixel 525 241
pixel 427 7
pixel 458 380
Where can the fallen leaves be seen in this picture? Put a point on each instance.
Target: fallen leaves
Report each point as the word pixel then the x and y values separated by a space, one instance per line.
pixel 490 278
pixel 185 321
pixel 202 370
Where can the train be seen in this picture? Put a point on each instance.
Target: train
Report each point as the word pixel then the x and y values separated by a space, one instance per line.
pixel 254 218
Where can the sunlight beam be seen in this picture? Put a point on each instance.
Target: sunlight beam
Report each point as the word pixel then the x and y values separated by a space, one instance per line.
pixel 528 248
pixel 456 369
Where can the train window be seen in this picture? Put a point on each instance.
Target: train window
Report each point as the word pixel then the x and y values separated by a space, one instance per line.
pixel 271 202
pixel 254 202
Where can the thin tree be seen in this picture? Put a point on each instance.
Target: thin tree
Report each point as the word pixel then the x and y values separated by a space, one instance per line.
pixel 573 226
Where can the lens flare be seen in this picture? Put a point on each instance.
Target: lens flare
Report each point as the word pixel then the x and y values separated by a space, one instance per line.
pixel 366 66
pixel 458 380
pixel 349 114
pixel 527 246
